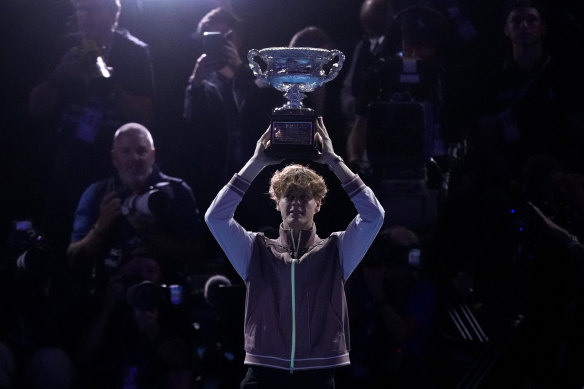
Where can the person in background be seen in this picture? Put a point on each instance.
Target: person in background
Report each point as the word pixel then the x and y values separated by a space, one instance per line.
pixel 137 207
pixel 374 18
pixel 140 336
pixel 101 78
pixel 529 104
pixel 325 99
pixel 394 306
pixel 415 73
pixel 224 103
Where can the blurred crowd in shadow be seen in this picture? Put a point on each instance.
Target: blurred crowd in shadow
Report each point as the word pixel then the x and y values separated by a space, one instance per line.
pixel 465 118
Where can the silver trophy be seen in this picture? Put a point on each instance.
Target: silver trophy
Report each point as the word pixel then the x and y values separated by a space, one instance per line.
pixel 294 70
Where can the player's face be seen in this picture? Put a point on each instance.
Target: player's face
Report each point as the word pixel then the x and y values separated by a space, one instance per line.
pixel 298 207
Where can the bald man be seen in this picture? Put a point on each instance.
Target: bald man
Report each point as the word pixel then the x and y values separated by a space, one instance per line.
pixel 138 208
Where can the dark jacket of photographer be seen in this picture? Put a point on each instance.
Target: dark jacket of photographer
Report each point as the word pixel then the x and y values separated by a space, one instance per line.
pixel 225 115
pixel 180 218
pixel 89 114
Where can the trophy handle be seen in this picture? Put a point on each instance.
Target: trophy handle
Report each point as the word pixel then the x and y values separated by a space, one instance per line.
pixel 255 67
pixel 336 68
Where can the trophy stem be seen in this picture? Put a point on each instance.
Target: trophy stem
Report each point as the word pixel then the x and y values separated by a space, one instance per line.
pixel 294 97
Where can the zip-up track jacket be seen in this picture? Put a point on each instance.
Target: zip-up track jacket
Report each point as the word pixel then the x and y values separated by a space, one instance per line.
pixel 296 313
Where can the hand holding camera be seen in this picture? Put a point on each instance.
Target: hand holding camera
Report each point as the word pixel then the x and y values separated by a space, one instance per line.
pixel 230 55
pixel 220 52
pixel 109 211
pixel 141 210
pixel 83 61
pixel 69 67
pixel 143 224
pixel 114 293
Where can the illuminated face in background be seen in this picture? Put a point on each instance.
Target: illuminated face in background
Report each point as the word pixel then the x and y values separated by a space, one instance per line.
pixel 96 18
pixel 525 27
pixel 297 208
pixel 133 155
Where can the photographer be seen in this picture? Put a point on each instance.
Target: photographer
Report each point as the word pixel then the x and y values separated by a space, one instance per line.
pixel 545 276
pixel 100 77
pixel 224 104
pixel 394 304
pixel 139 335
pixel 417 73
pixel 138 207
pixel 35 322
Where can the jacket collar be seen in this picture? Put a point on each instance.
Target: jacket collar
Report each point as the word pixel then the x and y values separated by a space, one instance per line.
pixel 307 238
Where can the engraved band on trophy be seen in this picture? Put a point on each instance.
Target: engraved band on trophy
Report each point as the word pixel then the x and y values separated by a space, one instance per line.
pixel 294 70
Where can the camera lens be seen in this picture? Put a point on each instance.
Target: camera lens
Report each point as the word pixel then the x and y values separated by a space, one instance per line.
pixel 145 295
pixel 157 202
pixel 153 203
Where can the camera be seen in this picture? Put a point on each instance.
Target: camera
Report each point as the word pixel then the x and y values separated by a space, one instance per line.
pixel 214 42
pixel 385 253
pixel 36 261
pixel 27 253
pixel 148 295
pixel 155 202
pixel 90 55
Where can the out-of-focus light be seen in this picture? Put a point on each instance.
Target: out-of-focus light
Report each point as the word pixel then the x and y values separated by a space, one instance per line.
pixel 229 356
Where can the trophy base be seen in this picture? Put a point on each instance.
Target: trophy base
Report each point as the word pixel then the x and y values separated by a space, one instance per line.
pixel 292 134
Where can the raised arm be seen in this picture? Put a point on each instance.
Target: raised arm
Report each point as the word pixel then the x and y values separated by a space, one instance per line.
pixel 328 155
pixel 356 239
pixel 259 159
pixel 235 241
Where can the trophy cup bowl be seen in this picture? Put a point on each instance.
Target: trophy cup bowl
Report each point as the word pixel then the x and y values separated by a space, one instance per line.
pixel 294 71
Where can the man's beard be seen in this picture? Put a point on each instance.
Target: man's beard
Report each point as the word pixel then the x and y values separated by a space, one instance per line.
pixel 133 180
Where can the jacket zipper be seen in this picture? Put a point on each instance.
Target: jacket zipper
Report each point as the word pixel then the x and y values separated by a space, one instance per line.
pixel 296 248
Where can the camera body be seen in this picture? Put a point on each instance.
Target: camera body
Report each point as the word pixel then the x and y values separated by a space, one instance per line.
pixel 149 295
pixel 154 202
pixel 214 42
pixel 27 253
pixel 384 253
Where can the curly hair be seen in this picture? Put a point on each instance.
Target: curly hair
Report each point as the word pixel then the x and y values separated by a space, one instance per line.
pixel 297 176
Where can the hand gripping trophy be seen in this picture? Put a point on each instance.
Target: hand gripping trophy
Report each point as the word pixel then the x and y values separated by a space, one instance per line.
pixel 294 70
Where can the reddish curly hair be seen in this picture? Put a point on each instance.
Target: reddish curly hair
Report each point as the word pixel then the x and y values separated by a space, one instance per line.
pixel 297 176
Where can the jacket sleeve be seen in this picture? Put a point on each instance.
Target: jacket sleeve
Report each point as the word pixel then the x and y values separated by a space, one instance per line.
pixel 357 238
pixel 86 213
pixel 236 242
